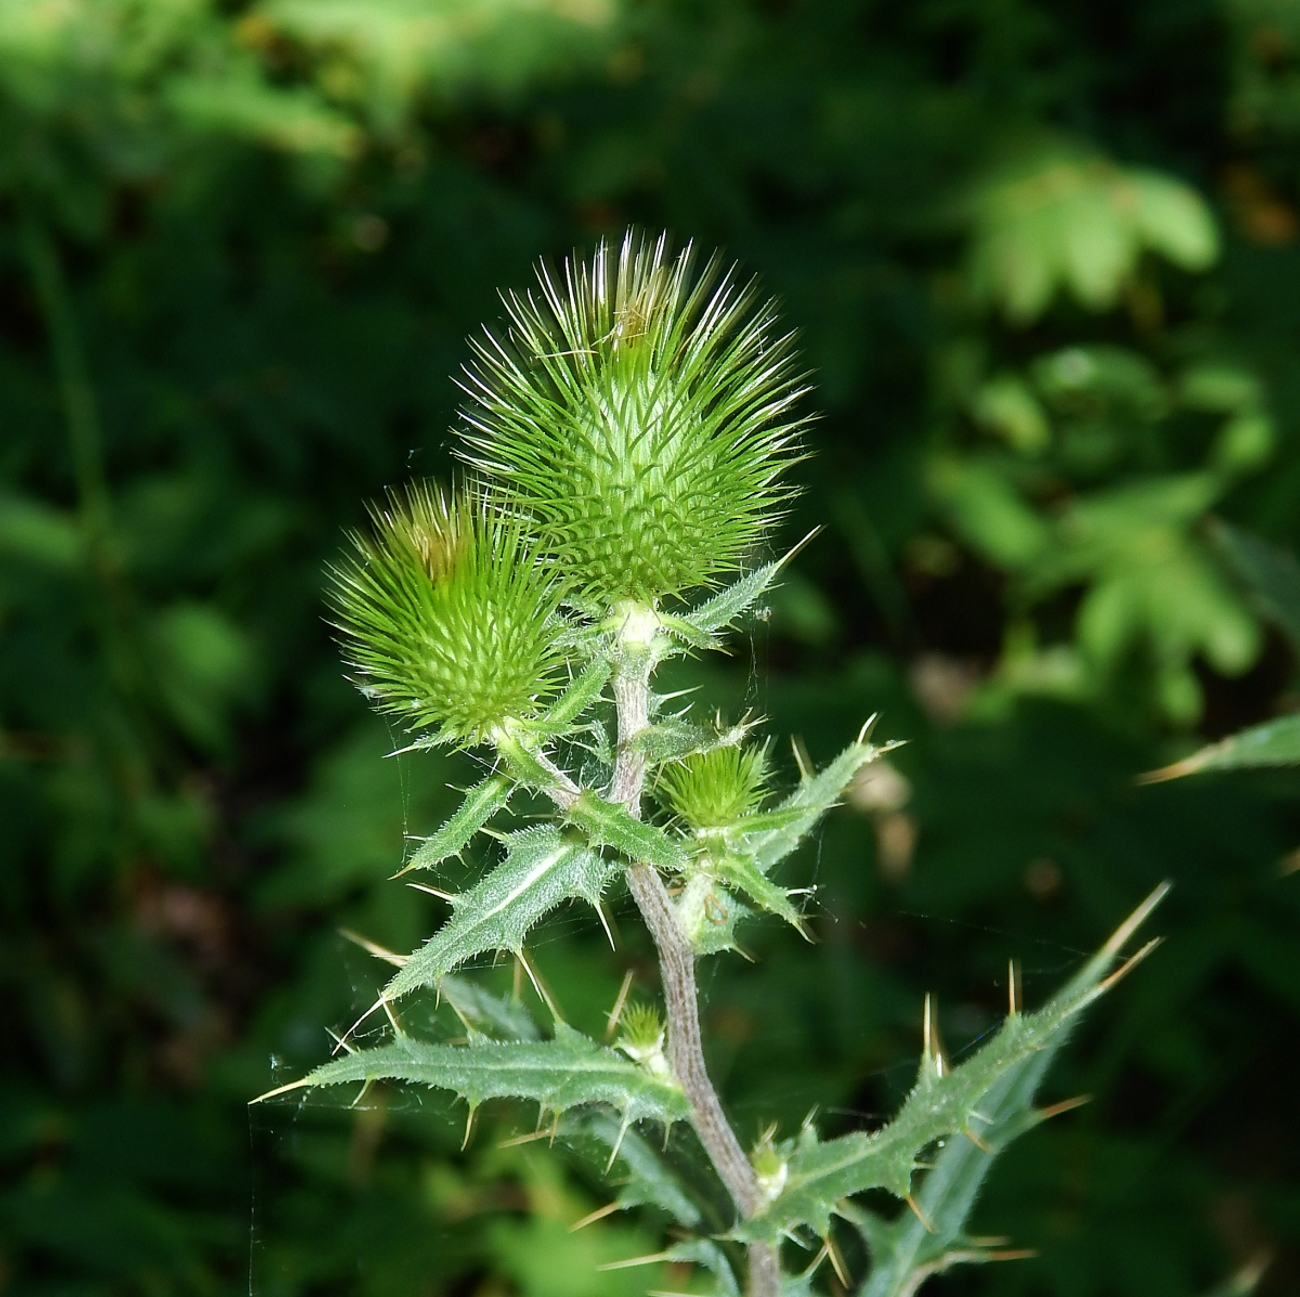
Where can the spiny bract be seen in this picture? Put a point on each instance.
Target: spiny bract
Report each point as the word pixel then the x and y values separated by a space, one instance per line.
pixel 447 616
pixel 641 414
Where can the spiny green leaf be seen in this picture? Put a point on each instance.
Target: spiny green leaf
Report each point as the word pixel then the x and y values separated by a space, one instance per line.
pixel 527 763
pixel 607 824
pixel 582 693
pixel 542 868
pixel 933 1235
pixel 670 737
pixel 815 796
pixel 1275 743
pixel 708 913
pixel 740 873
pixel 584 638
pixel 681 628
pixel 765 821
pixel 481 803
pixel 719 612
pixel 558 1074
pixel 943 1104
pixel 596 739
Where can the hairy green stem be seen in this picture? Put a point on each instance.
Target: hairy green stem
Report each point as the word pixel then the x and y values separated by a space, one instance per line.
pixel 631 683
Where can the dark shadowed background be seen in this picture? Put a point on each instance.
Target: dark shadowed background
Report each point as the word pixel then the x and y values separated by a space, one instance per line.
pixel 1045 262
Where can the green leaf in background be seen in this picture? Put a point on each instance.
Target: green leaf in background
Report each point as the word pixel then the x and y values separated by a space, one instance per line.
pixel 1271 575
pixel 1062 217
pixel 393 49
pixel 988 509
pixel 1274 743
pixel 1008 408
pixel 206 668
pixel 241 104
pixel 33 532
pixel 1174 220
pixel 1150 585
pixel 1097 379
pixel 1245 1281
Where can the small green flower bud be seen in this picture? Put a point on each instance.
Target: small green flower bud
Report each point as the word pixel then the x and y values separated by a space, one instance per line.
pixel 641 1038
pixel 447 616
pixel 771 1166
pixel 641 415
pixel 715 789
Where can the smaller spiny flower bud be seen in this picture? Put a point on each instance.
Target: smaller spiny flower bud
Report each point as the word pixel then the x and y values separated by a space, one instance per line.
pixel 447 616
pixel 771 1167
pixel 641 1038
pixel 717 788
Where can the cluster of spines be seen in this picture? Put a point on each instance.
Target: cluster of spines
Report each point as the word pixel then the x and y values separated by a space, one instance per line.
pixel 641 416
pixel 447 615
pixel 717 788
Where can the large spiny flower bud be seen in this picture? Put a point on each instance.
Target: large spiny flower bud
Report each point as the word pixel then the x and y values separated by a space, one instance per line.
pixel 640 414
pixel 447 616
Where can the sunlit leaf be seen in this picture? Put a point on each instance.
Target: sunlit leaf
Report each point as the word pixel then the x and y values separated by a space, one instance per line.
pixel 542 869
pixel 988 1095
pixel 565 1072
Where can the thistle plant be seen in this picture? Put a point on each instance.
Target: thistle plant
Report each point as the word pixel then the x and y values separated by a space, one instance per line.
pixel 627 442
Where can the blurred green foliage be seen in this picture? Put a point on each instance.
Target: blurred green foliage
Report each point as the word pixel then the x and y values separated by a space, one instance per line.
pixel 1045 258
